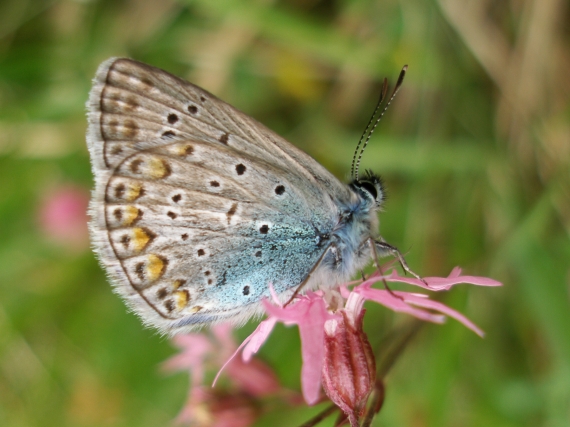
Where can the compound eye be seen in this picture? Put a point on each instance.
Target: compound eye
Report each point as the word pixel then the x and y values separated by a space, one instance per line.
pixel 369 187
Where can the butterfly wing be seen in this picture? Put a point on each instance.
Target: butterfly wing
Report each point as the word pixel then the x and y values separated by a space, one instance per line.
pixel 198 207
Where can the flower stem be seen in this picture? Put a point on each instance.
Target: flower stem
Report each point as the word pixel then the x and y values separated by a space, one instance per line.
pixel 320 416
pixel 377 402
pixel 391 351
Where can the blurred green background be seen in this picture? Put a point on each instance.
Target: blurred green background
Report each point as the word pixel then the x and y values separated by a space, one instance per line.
pixel 475 152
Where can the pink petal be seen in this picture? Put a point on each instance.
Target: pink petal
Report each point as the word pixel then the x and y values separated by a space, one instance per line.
pixel 254 342
pixel 295 312
pixel 223 334
pixel 254 377
pixel 310 314
pixel 312 334
pixel 195 348
pixel 251 344
pixel 388 300
pixel 442 308
pixel 440 283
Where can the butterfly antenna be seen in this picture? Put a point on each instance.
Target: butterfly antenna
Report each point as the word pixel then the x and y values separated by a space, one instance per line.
pixel 354 157
pixel 394 92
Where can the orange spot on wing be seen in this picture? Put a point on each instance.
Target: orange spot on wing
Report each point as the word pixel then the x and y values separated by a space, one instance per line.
pixel 155 267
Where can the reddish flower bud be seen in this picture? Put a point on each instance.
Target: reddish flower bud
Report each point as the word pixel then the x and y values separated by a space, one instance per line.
pixel 349 370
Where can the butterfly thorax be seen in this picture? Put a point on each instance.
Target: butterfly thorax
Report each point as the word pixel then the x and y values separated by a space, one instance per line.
pixel 357 224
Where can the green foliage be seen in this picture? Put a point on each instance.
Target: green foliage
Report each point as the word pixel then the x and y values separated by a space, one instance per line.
pixel 475 153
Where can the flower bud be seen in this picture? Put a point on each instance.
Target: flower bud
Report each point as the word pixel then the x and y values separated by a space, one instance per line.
pixel 349 370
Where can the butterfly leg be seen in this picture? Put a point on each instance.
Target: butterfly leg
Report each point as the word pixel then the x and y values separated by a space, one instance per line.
pixel 375 255
pixel 382 248
pixel 332 247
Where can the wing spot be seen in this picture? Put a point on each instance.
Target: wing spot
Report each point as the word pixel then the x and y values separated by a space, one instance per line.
pixel 130 193
pixel 157 168
pixel 231 212
pixel 214 184
pixel 169 305
pixel 161 293
pixel 207 273
pixel 182 298
pixel 114 125
pixel 130 103
pixel 135 165
pixel 120 191
pixel 210 281
pixel 246 290
pixel 142 237
pixel 172 118
pixel 279 190
pixel 168 134
pixel 192 109
pixel 131 129
pixel 125 241
pixel 201 252
pixel 116 150
pixel 139 270
pixel 184 236
pixel 178 283
pixel 224 138
pixel 155 267
pixel 128 215
pixel 264 229
pixel 176 198
pixel 240 169
pixel 258 254
pixel 172 215
pixel 133 192
pixel 185 150
pixel 202 98
pixel 146 82
pixel 139 190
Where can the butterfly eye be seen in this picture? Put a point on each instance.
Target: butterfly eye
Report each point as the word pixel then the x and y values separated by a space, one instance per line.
pixel 369 187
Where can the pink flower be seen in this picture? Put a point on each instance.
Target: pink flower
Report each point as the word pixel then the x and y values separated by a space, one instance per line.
pixel 201 352
pixel 315 312
pixel 309 313
pixel 196 349
pixel 336 352
pixel 63 217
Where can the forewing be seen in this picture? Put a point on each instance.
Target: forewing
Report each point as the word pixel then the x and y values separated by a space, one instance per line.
pixel 197 207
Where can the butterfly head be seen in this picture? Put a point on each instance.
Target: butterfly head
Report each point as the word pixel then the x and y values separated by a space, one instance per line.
pixel 370 187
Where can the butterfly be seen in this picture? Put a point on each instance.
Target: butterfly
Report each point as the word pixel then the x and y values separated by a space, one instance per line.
pixel 198 209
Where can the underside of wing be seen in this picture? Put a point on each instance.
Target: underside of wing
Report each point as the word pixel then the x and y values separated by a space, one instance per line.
pixel 197 207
